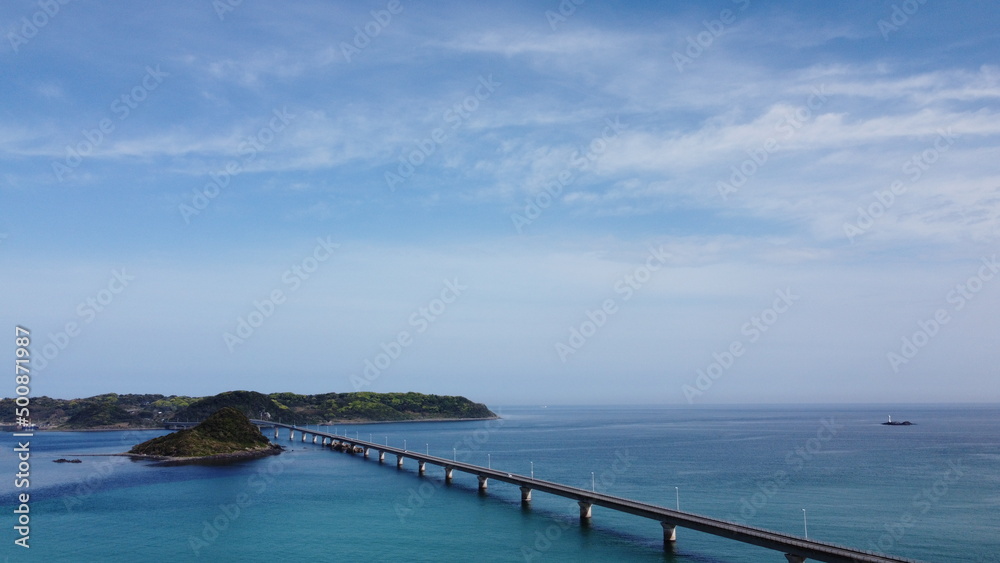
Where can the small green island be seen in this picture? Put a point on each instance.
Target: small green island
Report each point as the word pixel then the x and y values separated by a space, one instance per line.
pixel 225 434
pixel 112 411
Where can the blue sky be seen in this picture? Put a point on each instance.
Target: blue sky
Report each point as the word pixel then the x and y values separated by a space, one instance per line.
pixel 524 203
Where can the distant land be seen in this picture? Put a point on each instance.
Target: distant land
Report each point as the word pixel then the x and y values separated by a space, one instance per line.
pixel 226 433
pixel 113 411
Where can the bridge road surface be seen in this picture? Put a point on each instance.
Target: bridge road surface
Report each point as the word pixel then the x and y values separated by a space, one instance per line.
pixel 796 548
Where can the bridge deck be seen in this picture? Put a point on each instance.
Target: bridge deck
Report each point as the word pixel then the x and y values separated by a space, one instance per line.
pixel 806 548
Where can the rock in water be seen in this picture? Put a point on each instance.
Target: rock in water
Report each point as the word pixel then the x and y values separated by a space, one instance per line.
pixel 226 432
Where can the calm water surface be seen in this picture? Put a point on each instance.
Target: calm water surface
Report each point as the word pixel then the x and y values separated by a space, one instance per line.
pixel 929 491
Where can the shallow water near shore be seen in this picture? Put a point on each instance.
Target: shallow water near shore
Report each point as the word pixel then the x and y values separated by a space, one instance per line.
pixel 930 491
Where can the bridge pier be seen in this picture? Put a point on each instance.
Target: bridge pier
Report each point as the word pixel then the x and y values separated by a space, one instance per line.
pixel 669 519
pixel 669 533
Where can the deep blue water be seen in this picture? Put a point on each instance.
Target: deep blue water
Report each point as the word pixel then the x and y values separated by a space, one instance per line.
pixel 929 491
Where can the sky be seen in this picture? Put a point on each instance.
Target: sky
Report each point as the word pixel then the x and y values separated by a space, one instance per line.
pixel 576 202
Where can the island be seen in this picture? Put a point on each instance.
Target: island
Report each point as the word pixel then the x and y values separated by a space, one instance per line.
pixel 112 411
pixel 897 423
pixel 225 434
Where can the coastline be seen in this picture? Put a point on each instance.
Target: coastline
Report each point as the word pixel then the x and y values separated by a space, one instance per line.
pixel 327 423
pixel 233 456
pixel 353 422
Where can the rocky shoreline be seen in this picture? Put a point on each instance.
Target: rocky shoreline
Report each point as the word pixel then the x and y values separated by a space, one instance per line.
pixel 274 449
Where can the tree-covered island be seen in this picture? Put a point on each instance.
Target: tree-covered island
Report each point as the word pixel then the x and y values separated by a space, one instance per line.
pixel 113 411
pixel 226 433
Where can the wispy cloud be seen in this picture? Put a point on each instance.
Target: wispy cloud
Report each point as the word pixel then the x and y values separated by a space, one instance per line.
pixel 808 115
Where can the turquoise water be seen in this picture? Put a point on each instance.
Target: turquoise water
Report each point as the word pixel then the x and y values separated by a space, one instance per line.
pixel 929 491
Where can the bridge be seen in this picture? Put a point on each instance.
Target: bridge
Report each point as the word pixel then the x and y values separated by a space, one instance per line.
pixel 183 425
pixel 795 549
pixel 180 425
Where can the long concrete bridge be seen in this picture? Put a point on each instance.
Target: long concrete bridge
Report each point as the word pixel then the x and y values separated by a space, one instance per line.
pixel 795 549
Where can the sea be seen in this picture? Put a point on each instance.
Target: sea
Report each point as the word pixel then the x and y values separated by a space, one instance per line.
pixel 929 491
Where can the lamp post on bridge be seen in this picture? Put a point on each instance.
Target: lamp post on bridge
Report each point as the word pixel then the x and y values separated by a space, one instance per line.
pixel 532 470
pixel 489 461
pixel 427 449
pixel 404 444
pixel 593 483
pixel 677 490
pixel 805 526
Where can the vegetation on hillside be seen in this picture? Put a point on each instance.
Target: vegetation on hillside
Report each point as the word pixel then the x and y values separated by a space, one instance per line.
pixel 101 413
pixel 253 404
pixel 153 411
pixel 227 431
